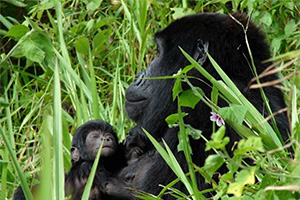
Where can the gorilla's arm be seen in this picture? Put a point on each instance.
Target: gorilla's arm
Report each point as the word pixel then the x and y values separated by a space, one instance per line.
pixel 117 188
pixel 136 144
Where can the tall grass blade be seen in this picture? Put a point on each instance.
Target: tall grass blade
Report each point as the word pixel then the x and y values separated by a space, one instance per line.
pixel 128 15
pixel 46 191
pixel 95 102
pixel 4 166
pixel 188 154
pixel 57 136
pixel 170 159
pixel 12 154
pixel 294 107
pixel 87 189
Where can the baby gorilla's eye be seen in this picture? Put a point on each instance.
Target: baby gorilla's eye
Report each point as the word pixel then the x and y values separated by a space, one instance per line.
pixel 96 136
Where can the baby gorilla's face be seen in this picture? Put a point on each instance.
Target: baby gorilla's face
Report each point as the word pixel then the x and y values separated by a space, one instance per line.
pixel 94 140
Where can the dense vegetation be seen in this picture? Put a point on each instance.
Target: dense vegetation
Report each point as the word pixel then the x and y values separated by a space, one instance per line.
pixel 66 62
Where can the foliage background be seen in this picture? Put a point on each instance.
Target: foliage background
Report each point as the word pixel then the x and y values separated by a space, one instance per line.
pixel 66 62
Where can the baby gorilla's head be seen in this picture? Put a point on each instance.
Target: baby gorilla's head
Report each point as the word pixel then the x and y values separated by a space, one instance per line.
pixel 88 138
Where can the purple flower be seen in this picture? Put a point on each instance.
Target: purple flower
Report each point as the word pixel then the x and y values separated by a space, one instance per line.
pixel 216 118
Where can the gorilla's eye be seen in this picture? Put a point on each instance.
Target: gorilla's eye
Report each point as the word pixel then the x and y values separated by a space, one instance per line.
pixel 95 136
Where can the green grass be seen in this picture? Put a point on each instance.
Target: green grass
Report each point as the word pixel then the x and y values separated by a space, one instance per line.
pixel 66 62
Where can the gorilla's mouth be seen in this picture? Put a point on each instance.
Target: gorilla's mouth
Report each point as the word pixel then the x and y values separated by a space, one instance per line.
pixel 134 101
pixel 107 147
pixel 135 107
pixel 104 147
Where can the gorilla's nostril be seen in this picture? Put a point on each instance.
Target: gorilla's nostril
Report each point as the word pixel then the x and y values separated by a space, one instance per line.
pixel 139 78
pixel 129 176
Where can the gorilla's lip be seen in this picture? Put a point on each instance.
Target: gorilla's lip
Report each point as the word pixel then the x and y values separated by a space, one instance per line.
pixel 107 147
pixel 136 100
pixel 104 147
pixel 136 108
pixel 137 103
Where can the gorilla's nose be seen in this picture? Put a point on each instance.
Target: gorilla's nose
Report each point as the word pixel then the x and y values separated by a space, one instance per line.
pixel 129 176
pixel 139 78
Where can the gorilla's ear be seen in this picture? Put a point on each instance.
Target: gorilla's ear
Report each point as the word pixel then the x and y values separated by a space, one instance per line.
pixel 200 54
pixel 75 154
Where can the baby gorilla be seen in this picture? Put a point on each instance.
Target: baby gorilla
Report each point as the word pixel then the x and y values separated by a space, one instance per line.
pixel 85 145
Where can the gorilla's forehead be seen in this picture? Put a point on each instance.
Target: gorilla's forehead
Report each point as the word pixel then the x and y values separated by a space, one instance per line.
pixel 191 23
pixel 212 27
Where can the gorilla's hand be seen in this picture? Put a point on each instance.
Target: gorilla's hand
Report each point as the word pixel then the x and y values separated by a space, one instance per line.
pixel 136 144
pixel 116 187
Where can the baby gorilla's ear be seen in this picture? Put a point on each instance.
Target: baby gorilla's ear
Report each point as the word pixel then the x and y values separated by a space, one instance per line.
pixel 75 154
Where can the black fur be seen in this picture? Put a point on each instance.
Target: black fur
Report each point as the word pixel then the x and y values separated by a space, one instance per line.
pixel 149 102
pixel 75 180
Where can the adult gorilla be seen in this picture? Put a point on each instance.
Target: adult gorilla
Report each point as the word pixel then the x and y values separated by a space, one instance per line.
pixel 149 102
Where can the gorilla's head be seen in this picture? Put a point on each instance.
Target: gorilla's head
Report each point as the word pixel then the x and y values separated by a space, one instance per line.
pixel 149 102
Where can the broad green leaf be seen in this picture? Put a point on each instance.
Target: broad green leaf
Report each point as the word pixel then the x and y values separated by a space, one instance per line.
pixel 89 25
pixel 44 43
pixel 235 113
pixel 181 12
pixel 234 164
pixel 290 27
pixel 213 163
pixel 289 5
pixel 17 3
pixel 93 5
pixel 218 136
pixel 187 69
pixel 267 180
pixel 217 142
pixel 174 118
pixel 34 25
pixel 104 21
pixel 250 4
pixel 266 19
pixel 177 88
pixel 31 51
pixel 276 43
pixel 188 99
pixel 17 31
pixel 227 177
pixel 243 177
pixel 38 48
pixel 99 40
pixel 82 46
pixel 250 144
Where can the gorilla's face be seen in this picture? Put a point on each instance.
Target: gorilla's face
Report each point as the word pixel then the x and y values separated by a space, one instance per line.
pixel 151 99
